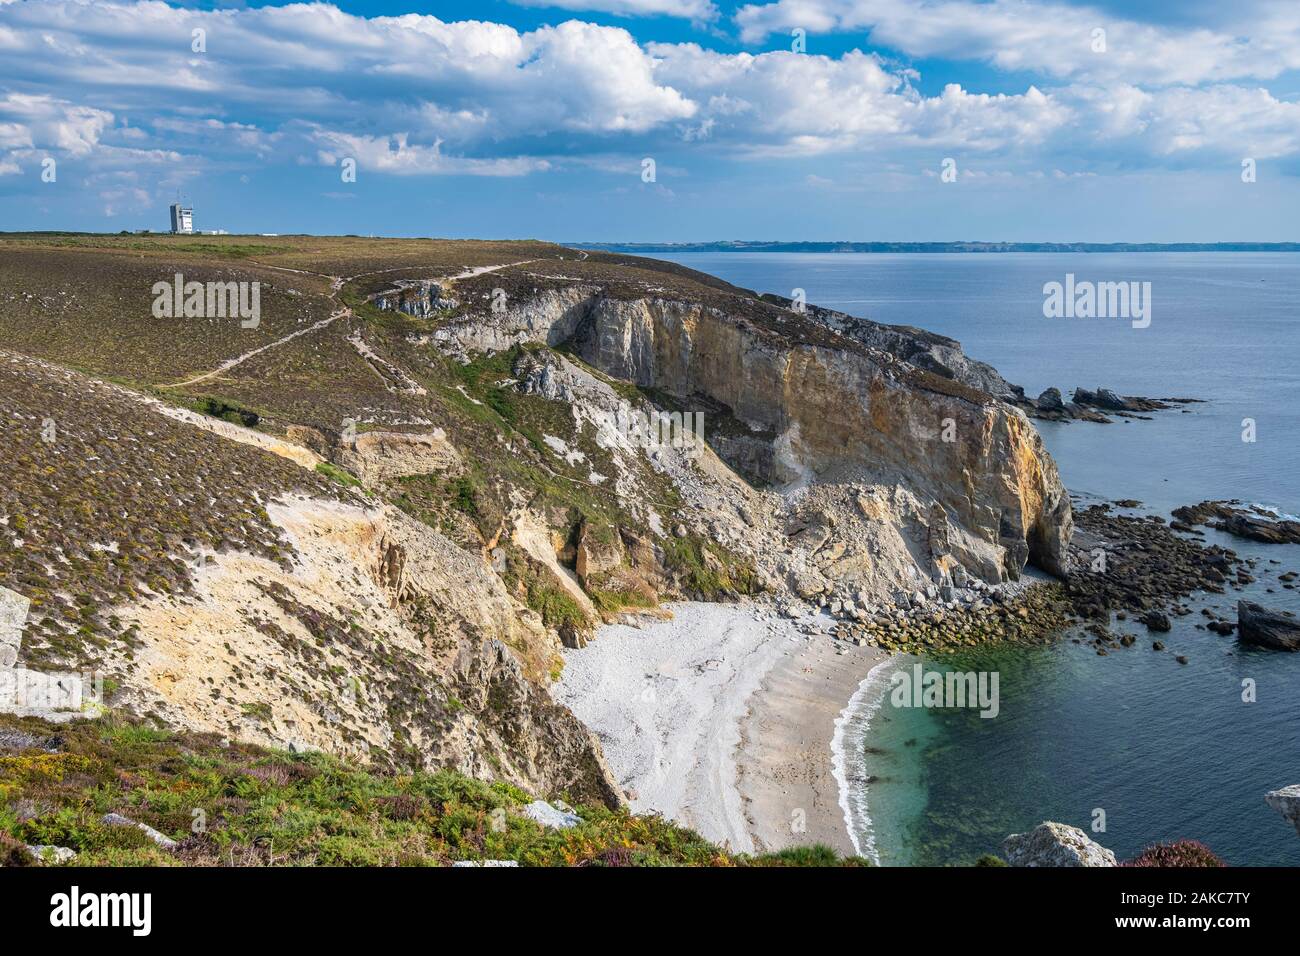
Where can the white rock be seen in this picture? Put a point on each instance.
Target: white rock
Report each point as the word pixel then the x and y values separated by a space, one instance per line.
pixel 549 816
pixel 1055 844
pixel 52 854
pixel 117 820
pixel 1286 802
pixel 486 863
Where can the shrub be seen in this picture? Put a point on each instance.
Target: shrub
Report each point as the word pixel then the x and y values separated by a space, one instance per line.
pixel 1178 853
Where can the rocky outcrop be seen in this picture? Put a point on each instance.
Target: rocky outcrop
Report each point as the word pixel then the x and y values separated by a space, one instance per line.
pixel 836 409
pixel 926 350
pixel 1090 405
pixel 1243 521
pixel 1286 802
pixel 1258 625
pixel 379 456
pixel 421 298
pixel 1055 844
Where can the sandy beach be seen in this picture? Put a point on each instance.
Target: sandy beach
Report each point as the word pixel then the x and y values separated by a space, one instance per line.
pixel 722 718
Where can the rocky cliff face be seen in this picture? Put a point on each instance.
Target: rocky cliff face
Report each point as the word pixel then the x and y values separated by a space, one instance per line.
pixel 812 404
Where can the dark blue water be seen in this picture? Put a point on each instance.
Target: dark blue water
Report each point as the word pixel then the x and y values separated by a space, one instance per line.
pixel 1166 750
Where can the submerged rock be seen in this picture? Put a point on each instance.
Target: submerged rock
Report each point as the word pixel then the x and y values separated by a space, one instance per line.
pixel 1055 844
pixel 1257 624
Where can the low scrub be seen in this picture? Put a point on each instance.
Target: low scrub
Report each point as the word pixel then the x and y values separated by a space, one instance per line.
pixel 238 804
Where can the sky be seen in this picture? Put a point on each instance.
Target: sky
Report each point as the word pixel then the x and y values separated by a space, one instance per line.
pixel 657 120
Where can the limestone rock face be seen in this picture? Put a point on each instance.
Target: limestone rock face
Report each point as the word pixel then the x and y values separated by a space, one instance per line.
pixel 1286 802
pixel 1055 844
pixel 379 456
pixel 429 657
pixel 829 408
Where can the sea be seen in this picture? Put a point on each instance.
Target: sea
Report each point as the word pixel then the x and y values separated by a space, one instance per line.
pixel 1133 747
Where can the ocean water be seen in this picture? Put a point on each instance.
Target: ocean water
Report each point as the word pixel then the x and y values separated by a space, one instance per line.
pixel 1164 750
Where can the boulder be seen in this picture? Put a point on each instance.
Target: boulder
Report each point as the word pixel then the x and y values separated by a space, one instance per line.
pixel 1156 621
pixel 1055 844
pixel 1286 802
pixel 1257 624
pixel 52 854
pixel 551 817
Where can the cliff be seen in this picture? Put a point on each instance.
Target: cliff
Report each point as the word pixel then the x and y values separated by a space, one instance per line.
pixel 798 399
pixel 368 525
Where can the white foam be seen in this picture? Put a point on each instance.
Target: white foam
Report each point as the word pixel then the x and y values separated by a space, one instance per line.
pixel 855 716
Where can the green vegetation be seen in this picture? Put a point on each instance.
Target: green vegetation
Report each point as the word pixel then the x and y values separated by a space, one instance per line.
pixel 707 569
pixel 237 804
pixel 335 473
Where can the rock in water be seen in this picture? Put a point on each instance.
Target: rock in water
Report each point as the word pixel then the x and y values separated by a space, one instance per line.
pixel 1156 621
pixel 1050 401
pixel 1286 802
pixel 1055 844
pixel 1256 624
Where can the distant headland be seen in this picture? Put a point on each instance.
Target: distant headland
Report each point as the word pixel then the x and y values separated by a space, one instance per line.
pixel 761 246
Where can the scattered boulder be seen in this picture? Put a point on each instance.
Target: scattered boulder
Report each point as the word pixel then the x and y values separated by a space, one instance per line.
pixel 1257 624
pixel 1055 844
pixel 1286 802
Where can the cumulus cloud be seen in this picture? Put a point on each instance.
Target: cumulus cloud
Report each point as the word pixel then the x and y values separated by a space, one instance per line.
pixel 1051 38
pixel 700 10
pixel 121 82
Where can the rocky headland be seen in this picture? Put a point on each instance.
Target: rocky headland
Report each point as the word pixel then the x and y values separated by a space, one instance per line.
pixel 385 523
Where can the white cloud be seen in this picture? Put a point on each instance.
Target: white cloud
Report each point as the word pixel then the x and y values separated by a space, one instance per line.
pixel 42 121
pixel 699 10
pixel 1050 38
pixel 393 154
pixel 117 83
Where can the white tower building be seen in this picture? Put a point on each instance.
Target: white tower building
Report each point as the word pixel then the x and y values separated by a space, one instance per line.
pixel 182 219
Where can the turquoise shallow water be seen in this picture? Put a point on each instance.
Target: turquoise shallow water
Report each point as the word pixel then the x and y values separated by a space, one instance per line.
pixel 1165 750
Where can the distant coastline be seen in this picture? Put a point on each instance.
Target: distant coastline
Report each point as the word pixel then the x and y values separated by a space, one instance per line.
pixel 637 248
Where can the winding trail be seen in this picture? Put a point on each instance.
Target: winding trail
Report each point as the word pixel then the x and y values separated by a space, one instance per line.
pixel 336 284
pixel 226 366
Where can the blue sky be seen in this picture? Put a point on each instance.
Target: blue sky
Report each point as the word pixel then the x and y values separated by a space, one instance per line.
pixel 1062 120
